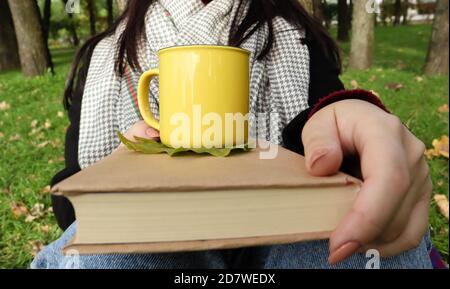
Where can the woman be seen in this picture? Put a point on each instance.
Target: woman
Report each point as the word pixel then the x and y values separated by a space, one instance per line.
pixel 294 74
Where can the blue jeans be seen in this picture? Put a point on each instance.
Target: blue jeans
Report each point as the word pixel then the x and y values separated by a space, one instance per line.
pixel 291 256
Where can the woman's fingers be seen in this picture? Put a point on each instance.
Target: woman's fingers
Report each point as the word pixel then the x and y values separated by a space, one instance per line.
pixel 420 186
pixel 414 231
pixel 150 132
pixel 391 205
pixel 142 130
pixel 420 178
pixel 320 137
pixel 385 170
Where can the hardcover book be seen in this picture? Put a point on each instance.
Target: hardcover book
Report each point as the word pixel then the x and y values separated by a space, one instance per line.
pixel 137 203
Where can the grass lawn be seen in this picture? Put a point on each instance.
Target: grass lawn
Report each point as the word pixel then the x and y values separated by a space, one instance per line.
pixel 33 122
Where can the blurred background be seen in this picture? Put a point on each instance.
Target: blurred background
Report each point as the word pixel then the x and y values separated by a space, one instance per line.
pixel 396 48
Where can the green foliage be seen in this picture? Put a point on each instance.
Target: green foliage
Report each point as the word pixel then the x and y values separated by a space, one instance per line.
pixel 28 162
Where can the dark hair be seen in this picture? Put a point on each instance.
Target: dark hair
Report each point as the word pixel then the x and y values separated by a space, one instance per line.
pixel 243 26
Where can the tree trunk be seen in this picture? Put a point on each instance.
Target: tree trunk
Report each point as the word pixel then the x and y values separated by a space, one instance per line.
pixel 30 39
pixel 405 8
pixel 46 30
pixel 92 16
pixel 308 5
pixel 437 57
pixel 122 4
pixel 9 57
pixel 46 19
pixel 109 8
pixel 343 21
pixel 397 12
pixel 361 52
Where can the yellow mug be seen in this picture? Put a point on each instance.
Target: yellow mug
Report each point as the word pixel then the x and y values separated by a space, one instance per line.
pixel 203 96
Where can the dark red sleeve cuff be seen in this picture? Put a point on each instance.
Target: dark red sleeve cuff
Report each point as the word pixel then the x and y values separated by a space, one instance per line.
pixel 347 94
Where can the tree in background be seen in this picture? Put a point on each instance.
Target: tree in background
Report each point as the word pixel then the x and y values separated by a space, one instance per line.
pixel 30 39
pixel 437 58
pixel 361 52
pixel 9 57
pixel 397 11
pixel 46 19
pixel 405 8
pixel 344 21
pixel 109 8
pixel 92 16
pixel 45 23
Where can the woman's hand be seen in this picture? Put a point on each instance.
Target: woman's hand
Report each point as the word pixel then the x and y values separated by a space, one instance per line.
pixel 142 130
pixel 390 213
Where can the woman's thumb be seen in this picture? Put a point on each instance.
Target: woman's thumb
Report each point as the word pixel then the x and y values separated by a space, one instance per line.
pixel 323 152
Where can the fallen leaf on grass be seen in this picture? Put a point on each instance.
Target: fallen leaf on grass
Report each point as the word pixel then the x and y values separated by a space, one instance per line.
pixel 60 114
pixel 56 143
pixel 45 190
pixel 36 212
pixel 401 65
pixel 42 145
pixel 443 108
pixel 1 135
pixel 440 148
pixel 57 160
pixel 373 78
pixel 36 247
pixel 44 228
pixel 18 209
pixel 394 86
pixel 7 190
pixel 419 78
pixel 4 105
pixel 15 137
pixel 375 93
pixel 442 203
pixel 47 124
pixel 34 131
pixel 30 219
pixel 354 84
pixel 34 123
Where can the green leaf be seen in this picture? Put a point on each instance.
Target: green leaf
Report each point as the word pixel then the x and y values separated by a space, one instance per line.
pixel 149 146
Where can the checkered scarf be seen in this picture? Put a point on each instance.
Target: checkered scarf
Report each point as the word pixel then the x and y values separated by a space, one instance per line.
pixel 279 82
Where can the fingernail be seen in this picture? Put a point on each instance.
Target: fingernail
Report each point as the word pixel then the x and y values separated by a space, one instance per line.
pixel 316 156
pixel 151 133
pixel 343 252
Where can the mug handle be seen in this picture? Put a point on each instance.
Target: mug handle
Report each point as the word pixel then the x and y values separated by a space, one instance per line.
pixel 143 103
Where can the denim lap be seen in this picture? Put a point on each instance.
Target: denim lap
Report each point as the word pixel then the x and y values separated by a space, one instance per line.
pixel 290 256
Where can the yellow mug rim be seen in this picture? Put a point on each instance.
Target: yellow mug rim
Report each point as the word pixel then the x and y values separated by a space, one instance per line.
pixel 219 47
